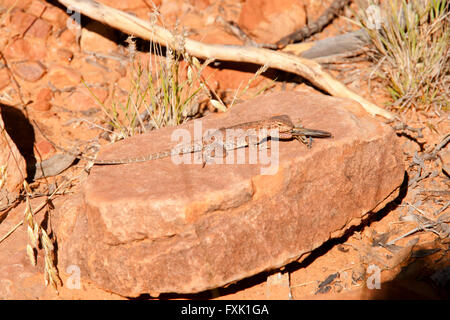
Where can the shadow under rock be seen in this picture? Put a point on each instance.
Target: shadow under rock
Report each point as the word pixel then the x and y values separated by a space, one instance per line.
pixel 22 134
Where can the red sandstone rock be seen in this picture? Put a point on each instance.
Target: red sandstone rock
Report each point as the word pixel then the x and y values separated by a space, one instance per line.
pixel 158 227
pixel 64 55
pixel 68 37
pixel 44 147
pixel 62 77
pixel 83 100
pixel 20 280
pixel 21 21
pixel 94 73
pixel 29 71
pixel 56 16
pixel 21 49
pixel 40 29
pixel 4 78
pixel 269 20
pixel 45 94
pixel 43 99
pixel 37 8
pixel 15 3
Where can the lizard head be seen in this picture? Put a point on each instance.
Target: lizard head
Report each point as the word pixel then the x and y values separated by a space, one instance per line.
pixel 282 122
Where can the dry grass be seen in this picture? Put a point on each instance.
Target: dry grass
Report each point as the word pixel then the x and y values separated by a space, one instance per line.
pixel 411 40
pixel 3 175
pixel 38 237
pixel 163 91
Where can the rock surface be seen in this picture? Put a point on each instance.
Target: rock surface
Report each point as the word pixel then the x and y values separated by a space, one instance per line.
pixel 24 49
pixel 63 77
pixel 4 78
pixel 270 20
pixel 30 70
pixel 43 99
pixel 159 227
pixel 18 278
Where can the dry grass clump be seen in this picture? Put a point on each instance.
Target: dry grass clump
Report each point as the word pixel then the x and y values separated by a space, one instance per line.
pixel 411 40
pixel 163 91
pixel 166 89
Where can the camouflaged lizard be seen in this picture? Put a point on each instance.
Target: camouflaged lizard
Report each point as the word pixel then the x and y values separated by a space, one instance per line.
pixel 244 134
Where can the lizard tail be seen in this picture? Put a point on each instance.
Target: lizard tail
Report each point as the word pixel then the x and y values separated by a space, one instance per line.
pixel 299 131
pixel 75 154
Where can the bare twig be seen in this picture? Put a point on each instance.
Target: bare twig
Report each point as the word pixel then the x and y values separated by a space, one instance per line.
pixel 403 126
pixel 444 207
pixel 438 148
pixel 438 227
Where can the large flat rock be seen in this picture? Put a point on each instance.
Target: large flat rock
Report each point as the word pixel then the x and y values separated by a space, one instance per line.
pixel 159 227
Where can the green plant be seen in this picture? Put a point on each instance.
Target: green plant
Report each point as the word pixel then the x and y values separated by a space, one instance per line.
pixel 411 40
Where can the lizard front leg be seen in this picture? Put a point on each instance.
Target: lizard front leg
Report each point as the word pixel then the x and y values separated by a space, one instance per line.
pixel 305 135
pixel 215 148
pixel 211 151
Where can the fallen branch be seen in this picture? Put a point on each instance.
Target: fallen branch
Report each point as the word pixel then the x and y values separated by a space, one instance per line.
pixel 439 227
pixel 438 148
pixel 308 69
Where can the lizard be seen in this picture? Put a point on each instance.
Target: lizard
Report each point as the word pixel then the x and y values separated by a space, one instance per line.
pixel 286 130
